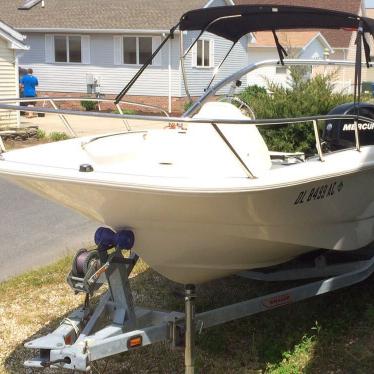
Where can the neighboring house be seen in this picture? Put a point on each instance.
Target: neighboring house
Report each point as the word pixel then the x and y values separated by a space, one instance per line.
pixel 307 44
pixel 299 44
pixel 11 42
pixel 79 45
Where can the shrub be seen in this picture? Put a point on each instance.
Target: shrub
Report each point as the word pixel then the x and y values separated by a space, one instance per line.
pixel 89 105
pixel 40 134
pixel 302 97
pixel 57 136
pixel 187 105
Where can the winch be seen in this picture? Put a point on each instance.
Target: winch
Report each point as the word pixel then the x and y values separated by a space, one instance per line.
pixel 89 266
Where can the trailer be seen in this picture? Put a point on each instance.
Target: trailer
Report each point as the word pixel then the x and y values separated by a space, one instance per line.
pixel 82 338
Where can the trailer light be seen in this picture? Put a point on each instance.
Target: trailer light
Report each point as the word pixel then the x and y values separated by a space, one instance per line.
pixel 68 340
pixel 135 342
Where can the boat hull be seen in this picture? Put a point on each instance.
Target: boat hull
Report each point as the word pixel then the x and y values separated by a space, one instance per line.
pixel 194 237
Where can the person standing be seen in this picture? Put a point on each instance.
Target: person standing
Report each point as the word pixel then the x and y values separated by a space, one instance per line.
pixel 29 83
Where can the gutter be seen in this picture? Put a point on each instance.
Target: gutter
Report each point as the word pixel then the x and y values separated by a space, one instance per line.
pixel 12 32
pixel 94 31
pixel 13 43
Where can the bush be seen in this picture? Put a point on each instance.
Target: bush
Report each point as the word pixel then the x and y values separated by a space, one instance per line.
pixel 40 134
pixel 89 105
pixel 187 105
pixel 302 97
pixel 57 136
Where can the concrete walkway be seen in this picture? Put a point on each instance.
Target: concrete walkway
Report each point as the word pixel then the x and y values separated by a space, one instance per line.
pixel 87 125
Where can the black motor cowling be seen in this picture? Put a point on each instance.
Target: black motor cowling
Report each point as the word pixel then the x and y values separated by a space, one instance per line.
pixel 340 133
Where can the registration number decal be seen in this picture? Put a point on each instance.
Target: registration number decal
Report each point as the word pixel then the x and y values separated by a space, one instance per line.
pixel 319 193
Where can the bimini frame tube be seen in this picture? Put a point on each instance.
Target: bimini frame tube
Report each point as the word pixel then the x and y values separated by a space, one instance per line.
pixel 181 40
pixel 218 68
pixel 184 53
pixel 145 65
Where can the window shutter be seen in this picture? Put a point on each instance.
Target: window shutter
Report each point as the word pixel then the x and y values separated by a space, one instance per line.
pixel 156 41
pixel 49 48
pixel 118 49
pixel 194 56
pixel 86 50
pixel 211 53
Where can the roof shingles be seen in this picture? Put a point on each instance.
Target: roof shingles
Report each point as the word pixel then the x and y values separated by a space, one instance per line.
pixel 141 14
pixel 336 38
pixel 98 14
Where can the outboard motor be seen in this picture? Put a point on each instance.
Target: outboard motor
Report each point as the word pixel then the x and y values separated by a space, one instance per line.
pixel 340 133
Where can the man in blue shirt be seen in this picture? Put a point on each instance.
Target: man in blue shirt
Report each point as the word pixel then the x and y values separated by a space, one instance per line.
pixel 29 83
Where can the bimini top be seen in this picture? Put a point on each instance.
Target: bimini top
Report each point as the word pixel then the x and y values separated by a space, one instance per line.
pixel 233 22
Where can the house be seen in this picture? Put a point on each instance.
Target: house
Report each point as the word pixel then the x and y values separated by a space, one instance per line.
pixel 11 43
pixel 299 44
pixel 308 44
pixel 78 47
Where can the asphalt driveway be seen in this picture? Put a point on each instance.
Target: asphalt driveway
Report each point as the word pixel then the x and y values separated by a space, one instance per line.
pixel 35 232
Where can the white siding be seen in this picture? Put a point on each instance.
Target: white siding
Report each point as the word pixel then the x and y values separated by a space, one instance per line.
pixel 8 82
pixel 198 78
pixel 263 76
pixel 63 77
pixel 314 51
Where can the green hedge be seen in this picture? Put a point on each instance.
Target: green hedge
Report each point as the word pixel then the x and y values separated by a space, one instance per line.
pixel 89 105
pixel 301 97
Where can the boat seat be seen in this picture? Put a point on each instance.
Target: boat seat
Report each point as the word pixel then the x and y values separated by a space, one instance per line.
pixel 246 139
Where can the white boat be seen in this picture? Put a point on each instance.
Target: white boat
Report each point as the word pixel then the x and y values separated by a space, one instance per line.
pixel 206 198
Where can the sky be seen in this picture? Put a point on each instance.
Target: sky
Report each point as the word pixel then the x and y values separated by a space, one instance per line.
pixel 369 3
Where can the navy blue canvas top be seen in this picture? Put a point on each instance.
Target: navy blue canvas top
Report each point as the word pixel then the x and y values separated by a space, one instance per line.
pixel 233 22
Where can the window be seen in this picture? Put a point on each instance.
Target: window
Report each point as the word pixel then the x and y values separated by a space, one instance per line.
pixel 204 55
pixel 129 50
pixel 68 48
pixel 136 49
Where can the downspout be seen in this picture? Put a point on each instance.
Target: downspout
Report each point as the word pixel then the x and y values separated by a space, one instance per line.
pixel 16 67
pixel 169 73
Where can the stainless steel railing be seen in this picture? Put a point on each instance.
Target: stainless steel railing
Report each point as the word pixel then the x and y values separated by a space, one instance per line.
pixel 313 120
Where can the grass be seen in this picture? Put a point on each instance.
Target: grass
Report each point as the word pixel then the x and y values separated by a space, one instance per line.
pixel 333 333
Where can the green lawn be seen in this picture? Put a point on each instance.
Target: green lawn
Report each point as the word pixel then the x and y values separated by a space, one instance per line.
pixel 328 334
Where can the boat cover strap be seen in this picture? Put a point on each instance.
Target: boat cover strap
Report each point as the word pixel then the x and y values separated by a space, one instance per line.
pixel 357 84
pixel 233 22
pixel 281 51
pixel 367 50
